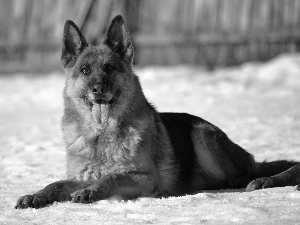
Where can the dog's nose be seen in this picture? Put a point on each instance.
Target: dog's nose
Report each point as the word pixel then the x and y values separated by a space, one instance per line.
pixel 98 89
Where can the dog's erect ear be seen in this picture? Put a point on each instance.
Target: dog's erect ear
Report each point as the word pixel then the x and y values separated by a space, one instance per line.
pixel 73 44
pixel 117 39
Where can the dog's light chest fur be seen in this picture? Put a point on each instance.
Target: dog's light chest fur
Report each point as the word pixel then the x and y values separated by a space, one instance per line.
pixel 95 153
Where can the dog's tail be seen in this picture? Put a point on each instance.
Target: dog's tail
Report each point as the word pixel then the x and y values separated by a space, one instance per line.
pixel 267 169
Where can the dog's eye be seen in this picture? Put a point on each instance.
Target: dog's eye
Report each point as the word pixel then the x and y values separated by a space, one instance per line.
pixel 109 67
pixel 85 69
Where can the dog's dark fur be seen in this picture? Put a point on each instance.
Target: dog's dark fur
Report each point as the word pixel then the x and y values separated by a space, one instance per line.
pixel 118 146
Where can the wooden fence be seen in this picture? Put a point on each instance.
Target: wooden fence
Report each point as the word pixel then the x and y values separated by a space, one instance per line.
pixel 200 32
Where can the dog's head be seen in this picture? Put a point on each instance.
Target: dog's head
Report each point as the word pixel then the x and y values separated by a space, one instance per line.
pixel 98 76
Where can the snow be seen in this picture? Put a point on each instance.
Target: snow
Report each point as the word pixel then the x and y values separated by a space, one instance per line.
pixel 256 104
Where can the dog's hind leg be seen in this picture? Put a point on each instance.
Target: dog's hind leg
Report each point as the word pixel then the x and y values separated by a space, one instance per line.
pixel 275 174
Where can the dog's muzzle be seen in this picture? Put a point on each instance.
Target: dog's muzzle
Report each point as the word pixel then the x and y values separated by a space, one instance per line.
pixel 99 100
pixel 99 94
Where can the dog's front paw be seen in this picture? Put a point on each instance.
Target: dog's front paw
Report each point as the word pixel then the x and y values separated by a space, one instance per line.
pixel 83 196
pixel 31 201
pixel 261 183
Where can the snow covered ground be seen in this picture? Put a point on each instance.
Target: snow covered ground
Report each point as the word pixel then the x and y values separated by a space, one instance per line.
pixel 257 105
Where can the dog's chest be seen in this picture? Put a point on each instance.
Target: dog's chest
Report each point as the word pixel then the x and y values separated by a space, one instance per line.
pixel 98 154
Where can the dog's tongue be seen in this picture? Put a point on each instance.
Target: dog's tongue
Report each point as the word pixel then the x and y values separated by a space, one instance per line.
pixel 100 113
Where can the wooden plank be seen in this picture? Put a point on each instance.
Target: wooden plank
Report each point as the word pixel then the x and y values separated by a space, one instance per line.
pixel 5 17
pixel 32 46
pixel 287 35
pixel 245 16
pixel 82 12
pixel 96 22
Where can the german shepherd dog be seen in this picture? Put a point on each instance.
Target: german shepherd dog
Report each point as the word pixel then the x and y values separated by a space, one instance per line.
pixel 119 147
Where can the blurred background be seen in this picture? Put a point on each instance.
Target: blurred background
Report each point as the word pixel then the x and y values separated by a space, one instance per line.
pixel 210 33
